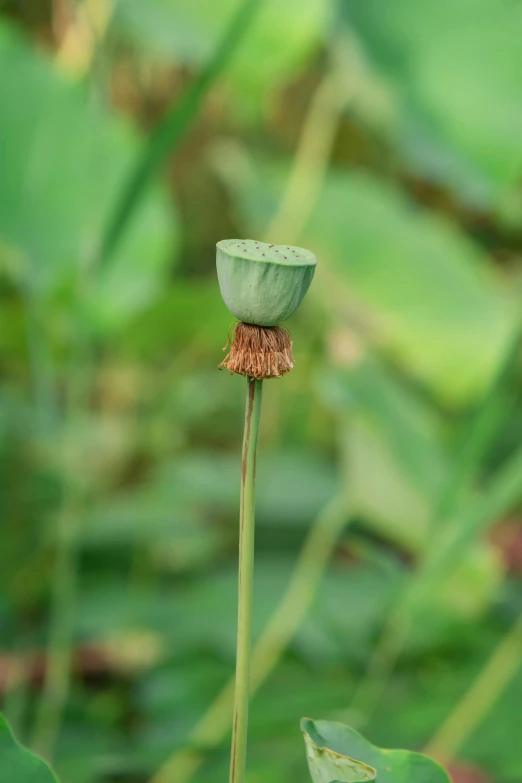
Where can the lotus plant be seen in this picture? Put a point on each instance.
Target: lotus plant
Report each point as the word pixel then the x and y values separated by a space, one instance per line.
pixel 262 285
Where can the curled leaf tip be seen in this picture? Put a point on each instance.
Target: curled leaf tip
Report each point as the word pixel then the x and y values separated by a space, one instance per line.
pixel 329 766
pixel 338 753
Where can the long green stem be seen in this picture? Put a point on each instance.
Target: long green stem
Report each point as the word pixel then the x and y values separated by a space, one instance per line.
pixel 65 581
pixel 311 565
pixel 494 410
pixel 43 383
pixel 480 436
pixel 61 629
pixel 246 581
pixel 476 703
pixel 499 497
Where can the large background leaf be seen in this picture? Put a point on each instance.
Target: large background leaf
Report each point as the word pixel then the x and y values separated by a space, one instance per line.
pixel 63 159
pixel 449 63
pixel 426 285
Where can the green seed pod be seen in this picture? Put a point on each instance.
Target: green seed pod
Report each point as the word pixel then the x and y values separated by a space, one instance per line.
pixel 263 284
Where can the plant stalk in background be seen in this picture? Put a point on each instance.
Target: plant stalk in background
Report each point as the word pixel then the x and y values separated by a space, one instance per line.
pixel 479 699
pixel 499 498
pixel 167 135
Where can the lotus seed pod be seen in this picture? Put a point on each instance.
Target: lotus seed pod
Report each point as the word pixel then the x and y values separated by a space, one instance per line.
pixel 263 284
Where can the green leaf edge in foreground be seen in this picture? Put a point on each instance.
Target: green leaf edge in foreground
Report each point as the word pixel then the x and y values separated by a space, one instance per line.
pixel 388 766
pixel 324 761
pixel 19 764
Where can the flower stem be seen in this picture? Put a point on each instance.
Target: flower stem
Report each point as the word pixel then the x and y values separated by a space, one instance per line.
pixel 311 565
pixel 246 581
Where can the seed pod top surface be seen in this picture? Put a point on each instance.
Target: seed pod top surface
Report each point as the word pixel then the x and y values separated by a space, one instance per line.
pixel 260 283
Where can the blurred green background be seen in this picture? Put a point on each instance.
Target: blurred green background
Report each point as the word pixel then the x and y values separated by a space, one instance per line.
pixel 386 137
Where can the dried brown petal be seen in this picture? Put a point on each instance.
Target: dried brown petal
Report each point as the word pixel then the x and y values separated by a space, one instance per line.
pixel 259 351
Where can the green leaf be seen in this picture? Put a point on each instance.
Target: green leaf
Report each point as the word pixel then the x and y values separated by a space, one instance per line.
pixel 324 762
pixel 457 82
pixel 393 448
pixel 432 298
pixel 62 158
pixel 333 746
pixel 500 496
pixel 395 459
pixel 19 764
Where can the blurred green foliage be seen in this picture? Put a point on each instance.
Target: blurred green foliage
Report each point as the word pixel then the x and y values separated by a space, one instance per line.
pixel 119 441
